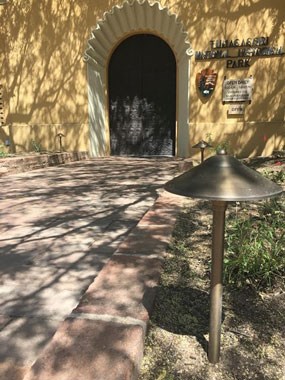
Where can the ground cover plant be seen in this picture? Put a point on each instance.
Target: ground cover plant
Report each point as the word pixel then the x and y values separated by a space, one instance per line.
pixel 255 243
pixel 253 320
pixel 3 152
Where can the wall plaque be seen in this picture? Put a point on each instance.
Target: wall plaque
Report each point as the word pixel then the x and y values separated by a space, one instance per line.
pixel 206 81
pixel 236 109
pixel 237 90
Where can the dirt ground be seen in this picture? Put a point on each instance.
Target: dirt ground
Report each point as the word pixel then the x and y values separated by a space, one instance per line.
pixel 253 322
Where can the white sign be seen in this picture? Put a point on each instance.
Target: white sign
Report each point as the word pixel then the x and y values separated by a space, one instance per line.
pixel 236 109
pixel 237 90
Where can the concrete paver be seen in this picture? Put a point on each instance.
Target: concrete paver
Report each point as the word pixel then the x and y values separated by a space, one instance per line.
pixel 4 320
pixel 59 227
pixel 124 288
pixel 82 349
pixel 24 338
pixel 157 238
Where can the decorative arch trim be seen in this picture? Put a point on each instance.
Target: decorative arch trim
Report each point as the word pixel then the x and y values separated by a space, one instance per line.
pixel 134 16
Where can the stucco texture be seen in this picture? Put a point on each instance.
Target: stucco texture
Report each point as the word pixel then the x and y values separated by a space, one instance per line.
pixel 45 82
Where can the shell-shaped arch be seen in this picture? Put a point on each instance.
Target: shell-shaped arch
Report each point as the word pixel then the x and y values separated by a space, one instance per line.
pixel 132 17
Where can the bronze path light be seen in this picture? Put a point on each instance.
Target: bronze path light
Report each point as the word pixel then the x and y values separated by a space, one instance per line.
pixel 60 136
pixel 221 178
pixel 202 145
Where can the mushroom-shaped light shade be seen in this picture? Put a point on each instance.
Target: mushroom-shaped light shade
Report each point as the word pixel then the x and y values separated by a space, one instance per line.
pixel 223 178
pixel 202 145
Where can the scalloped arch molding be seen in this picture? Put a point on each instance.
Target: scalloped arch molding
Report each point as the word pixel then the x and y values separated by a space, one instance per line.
pixel 130 18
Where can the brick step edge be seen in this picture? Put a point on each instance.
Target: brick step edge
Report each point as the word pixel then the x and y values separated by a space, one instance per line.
pixel 19 164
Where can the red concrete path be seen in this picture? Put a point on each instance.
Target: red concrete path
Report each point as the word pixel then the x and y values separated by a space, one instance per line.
pixel 102 337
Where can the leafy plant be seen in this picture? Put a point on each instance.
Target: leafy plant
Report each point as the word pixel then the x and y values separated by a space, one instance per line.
pixel 36 146
pixel 3 153
pixel 209 138
pixel 255 244
pixel 277 176
pixel 224 145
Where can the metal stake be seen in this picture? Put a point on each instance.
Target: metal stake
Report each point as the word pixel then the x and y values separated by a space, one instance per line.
pixel 219 210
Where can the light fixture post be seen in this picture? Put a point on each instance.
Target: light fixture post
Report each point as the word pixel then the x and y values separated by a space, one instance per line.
pixel 202 145
pixel 221 179
pixel 216 289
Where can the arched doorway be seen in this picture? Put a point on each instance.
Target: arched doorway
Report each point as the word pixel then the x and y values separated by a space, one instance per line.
pixel 142 97
pixel 135 17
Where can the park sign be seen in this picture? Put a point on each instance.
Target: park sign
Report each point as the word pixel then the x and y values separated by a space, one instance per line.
pixel 238 52
pixel 237 90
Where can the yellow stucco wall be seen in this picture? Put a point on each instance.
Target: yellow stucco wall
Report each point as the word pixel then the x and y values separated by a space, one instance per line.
pixel 44 77
pixel 261 129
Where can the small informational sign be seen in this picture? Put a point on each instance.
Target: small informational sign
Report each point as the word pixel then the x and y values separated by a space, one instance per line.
pixel 236 109
pixel 237 90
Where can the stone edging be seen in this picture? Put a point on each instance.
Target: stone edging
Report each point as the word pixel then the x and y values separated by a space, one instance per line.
pixel 19 164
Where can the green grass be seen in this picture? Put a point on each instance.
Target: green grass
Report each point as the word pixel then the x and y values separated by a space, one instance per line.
pixel 255 243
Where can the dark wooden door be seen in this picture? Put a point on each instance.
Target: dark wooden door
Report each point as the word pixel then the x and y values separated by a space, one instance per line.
pixel 142 97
